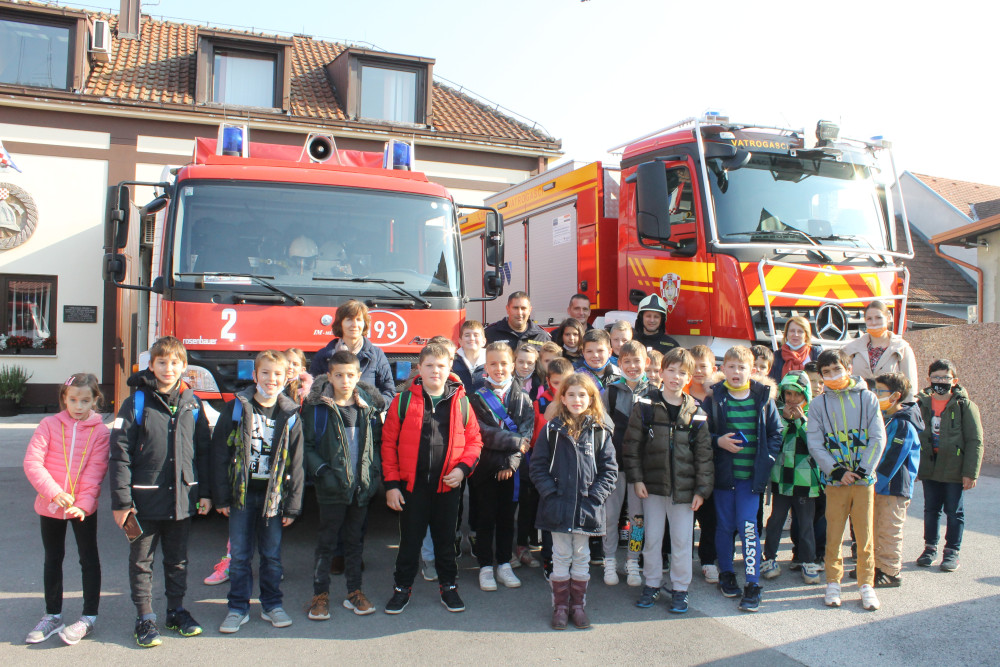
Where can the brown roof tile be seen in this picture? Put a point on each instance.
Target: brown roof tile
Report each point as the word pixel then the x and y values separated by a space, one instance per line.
pixel 160 68
pixel 961 194
pixel 933 279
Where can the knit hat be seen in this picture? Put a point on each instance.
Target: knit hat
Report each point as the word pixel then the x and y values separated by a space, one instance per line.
pixel 797 381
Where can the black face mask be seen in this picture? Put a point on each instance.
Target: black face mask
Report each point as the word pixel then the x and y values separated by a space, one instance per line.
pixel 940 388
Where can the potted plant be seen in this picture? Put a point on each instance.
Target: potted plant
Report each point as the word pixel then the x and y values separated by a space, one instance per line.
pixel 13 384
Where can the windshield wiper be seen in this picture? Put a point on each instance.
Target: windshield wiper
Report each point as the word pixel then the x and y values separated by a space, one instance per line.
pixel 297 300
pixel 394 285
pixel 856 239
pixel 788 232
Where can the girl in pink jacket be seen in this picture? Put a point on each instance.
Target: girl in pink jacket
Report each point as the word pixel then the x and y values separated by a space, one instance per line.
pixel 66 462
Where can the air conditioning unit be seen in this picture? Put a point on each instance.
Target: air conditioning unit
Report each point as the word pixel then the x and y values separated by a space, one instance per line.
pixel 100 42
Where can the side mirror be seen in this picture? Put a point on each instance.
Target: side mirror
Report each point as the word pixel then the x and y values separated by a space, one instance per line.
pixel 492 284
pixel 635 296
pixel 156 205
pixel 651 193
pixel 494 239
pixel 114 267
pixel 119 219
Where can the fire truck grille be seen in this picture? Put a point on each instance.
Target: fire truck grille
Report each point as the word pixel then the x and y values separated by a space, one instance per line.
pixel 855 324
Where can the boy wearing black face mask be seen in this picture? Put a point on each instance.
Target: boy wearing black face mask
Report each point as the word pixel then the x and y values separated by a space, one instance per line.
pixel 951 451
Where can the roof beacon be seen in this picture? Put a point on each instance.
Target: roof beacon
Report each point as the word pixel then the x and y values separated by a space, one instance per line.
pixel 879 141
pixel 398 155
pixel 233 140
pixel 714 117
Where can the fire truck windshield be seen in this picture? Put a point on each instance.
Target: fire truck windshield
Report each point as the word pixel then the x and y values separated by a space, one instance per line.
pixel 298 235
pixel 810 201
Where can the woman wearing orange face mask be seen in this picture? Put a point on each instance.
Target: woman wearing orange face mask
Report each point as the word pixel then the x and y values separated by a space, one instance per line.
pixel 880 350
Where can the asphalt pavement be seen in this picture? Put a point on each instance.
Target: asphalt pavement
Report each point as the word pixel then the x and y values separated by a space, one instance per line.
pixel 934 618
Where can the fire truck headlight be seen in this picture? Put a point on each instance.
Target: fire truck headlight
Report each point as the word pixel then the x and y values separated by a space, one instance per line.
pixel 199 379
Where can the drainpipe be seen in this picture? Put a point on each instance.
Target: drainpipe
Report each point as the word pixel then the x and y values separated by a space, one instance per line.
pixel 979 278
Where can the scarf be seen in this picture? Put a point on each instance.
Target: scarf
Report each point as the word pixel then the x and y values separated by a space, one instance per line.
pixel 795 360
pixel 737 390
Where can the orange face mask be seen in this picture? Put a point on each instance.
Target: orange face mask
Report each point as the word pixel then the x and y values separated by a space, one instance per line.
pixel 884 404
pixel 876 333
pixel 837 383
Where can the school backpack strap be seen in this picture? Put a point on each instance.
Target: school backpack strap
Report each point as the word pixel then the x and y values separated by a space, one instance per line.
pixel 138 406
pixel 319 420
pixel 237 412
pixel 497 408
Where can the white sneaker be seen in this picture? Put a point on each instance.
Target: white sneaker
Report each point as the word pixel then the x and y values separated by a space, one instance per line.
pixel 486 580
pixel 632 575
pixel 832 597
pixel 811 573
pixel 770 569
pixel 711 573
pixel 611 572
pixel 868 598
pixel 428 571
pixel 507 577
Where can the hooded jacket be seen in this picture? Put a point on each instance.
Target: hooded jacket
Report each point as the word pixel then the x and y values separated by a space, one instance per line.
pixel 161 466
pixel 231 445
pixel 898 469
pixel 846 431
pixel 673 459
pixel 375 369
pixel 897 358
pixel 619 400
pixel 328 456
pixel 501 331
pixel 768 435
pixel 501 447
pixel 59 441
pixel 574 477
pixel 795 473
pixel 960 439
pixel 402 432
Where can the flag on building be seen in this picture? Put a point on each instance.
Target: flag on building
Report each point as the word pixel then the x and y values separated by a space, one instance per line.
pixel 6 160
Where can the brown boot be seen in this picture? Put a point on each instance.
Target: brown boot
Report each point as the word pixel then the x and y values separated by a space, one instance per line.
pixel 560 603
pixel 578 602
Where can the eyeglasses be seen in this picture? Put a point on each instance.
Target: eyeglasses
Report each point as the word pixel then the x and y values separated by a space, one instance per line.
pixel 941 378
pixel 883 392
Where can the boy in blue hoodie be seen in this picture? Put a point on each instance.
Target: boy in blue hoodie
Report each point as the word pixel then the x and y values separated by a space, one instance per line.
pixel 746 438
pixel 846 438
pixel 896 473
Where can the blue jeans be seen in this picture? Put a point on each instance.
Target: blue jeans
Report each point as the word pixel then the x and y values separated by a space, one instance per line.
pixel 947 496
pixel 247 526
pixel 736 511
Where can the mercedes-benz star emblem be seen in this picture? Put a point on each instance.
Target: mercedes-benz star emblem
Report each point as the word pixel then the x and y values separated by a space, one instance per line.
pixel 831 322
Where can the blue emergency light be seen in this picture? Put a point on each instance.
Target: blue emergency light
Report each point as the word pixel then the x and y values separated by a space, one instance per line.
pixel 397 155
pixel 244 369
pixel 233 140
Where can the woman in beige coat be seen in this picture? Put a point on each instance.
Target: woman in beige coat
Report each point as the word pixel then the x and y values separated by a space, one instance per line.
pixel 880 350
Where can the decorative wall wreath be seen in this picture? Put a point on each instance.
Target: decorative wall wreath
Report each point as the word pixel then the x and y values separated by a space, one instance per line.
pixel 18 216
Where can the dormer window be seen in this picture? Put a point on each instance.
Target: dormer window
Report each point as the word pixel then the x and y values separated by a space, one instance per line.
pixel 383 87
pixel 35 53
pixel 243 78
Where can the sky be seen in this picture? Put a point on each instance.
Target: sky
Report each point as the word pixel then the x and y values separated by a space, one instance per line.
pixel 598 73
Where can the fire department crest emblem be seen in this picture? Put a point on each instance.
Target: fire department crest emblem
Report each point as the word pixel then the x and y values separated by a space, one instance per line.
pixel 18 216
pixel 670 290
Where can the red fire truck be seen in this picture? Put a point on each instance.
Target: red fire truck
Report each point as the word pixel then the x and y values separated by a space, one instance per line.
pixel 737 226
pixel 255 245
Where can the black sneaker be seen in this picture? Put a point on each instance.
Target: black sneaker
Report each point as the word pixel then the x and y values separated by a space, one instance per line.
pixel 648 597
pixel 450 599
pixel 949 561
pixel 400 598
pixel 883 580
pixel 853 574
pixel 547 569
pixel 678 602
pixel 182 621
pixel 926 559
pixel 795 565
pixel 727 584
pixel 751 598
pixel 146 634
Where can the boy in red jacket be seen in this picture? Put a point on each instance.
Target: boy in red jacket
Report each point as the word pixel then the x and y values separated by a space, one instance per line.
pixel 430 443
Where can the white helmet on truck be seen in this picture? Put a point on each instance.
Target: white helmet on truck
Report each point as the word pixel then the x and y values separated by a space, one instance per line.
pixel 302 255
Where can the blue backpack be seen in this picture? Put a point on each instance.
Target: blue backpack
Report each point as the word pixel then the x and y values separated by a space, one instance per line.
pixel 139 405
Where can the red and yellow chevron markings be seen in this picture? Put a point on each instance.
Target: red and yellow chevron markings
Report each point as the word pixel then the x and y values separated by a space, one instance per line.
pixel 832 285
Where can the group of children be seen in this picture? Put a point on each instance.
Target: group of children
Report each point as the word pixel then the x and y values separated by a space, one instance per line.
pixel 550 452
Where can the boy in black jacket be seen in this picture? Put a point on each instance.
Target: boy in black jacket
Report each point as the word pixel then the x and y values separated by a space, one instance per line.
pixel 342 432
pixel 506 421
pixel 257 468
pixel 159 471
